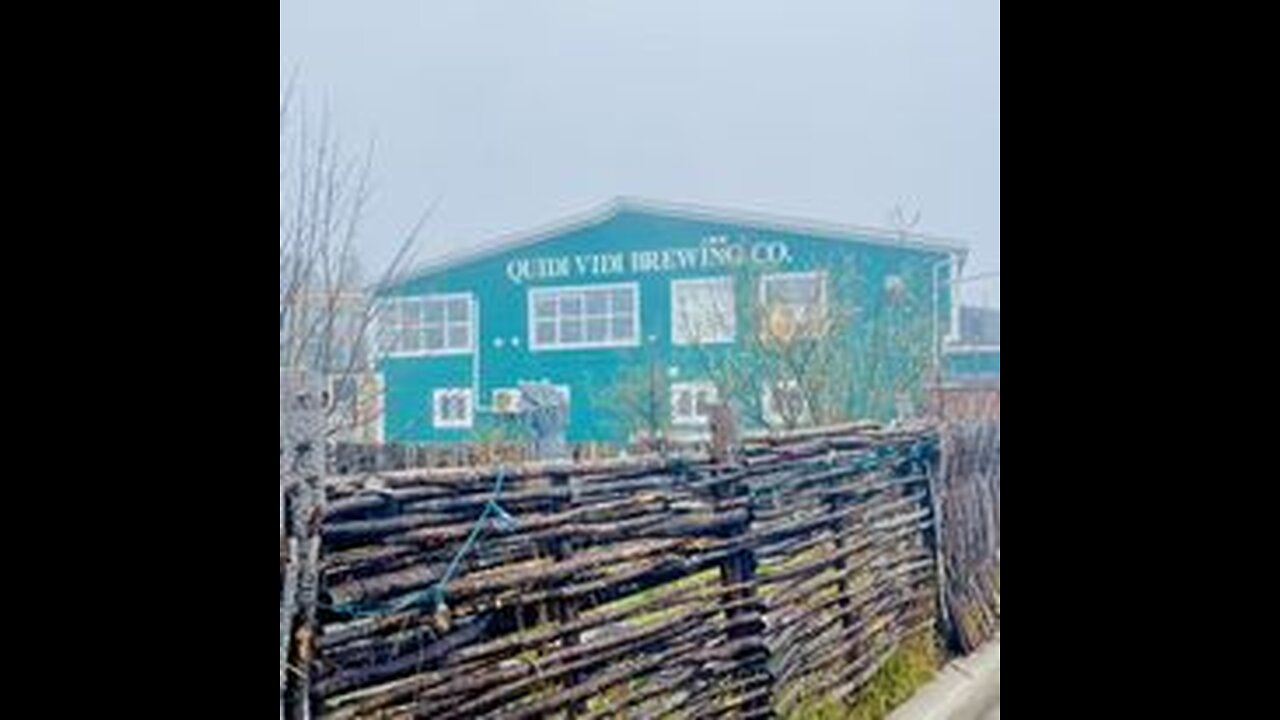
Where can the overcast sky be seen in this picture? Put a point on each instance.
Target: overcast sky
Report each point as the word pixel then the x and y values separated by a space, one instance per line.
pixel 514 114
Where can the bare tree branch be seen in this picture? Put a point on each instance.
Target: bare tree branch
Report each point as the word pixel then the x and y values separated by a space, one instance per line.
pixel 327 311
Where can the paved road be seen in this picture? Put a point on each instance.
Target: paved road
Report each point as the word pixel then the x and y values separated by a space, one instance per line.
pixel 983 704
pixel 967 689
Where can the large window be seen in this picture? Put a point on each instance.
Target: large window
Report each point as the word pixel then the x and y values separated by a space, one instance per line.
pixel 584 317
pixel 451 408
pixel 794 305
pixel 702 311
pixel 427 325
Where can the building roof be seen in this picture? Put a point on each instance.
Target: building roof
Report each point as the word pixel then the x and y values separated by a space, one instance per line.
pixel 687 211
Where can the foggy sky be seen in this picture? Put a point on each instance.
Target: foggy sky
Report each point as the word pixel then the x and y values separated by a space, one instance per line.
pixel 514 114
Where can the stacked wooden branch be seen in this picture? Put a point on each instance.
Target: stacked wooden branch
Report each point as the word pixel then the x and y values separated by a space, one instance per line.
pixel 648 587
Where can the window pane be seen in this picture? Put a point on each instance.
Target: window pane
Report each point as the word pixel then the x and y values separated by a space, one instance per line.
pixel 408 312
pixel 544 307
pixel 570 331
pixel 434 311
pixel 622 301
pixel 459 336
pixel 410 341
pixel 387 338
pixel 433 337
pixel 597 302
pixel 704 311
pixel 597 329
pixel 571 305
pixel 459 310
pixel 545 332
pixel 622 328
pixel 700 407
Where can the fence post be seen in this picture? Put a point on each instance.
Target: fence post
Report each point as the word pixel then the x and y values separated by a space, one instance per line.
pixel 565 610
pixel 302 459
pixel 740 567
pixel 724 433
pixel 935 466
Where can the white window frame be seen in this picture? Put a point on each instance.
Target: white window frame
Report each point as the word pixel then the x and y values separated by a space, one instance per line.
pixel 472 309
pixel 678 331
pixel 776 419
pixel 693 387
pixel 439 422
pixel 584 344
pixel 818 275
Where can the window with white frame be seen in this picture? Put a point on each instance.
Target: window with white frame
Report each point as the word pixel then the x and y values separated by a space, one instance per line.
pixel 784 404
pixel 426 325
pixel 794 304
pixel 451 408
pixel 691 402
pixel 584 317
pixel 702 311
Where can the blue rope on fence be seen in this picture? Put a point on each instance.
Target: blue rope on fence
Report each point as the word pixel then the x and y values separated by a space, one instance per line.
pixel 502 520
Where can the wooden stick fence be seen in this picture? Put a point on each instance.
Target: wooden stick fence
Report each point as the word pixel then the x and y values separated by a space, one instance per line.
pixel 969 500
pixel 638 588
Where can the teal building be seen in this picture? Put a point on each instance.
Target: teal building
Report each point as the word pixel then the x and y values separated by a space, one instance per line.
pixel 643 313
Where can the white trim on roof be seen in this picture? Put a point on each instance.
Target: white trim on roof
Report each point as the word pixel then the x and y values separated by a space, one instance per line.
pixel 689 211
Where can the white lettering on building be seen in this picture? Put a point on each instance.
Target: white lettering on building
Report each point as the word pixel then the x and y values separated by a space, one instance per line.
pixel 715 251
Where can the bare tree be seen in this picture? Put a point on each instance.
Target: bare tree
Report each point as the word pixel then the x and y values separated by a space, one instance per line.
pixel 327 307
pixel 639 403
pixel 789 364
pixel 816 352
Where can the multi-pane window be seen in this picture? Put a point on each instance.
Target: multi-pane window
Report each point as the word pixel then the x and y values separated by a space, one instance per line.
pixel 427 325
pixel 691 402
pixel 451 408
pixel 584 317
pixel 794 304
pixel 702 311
